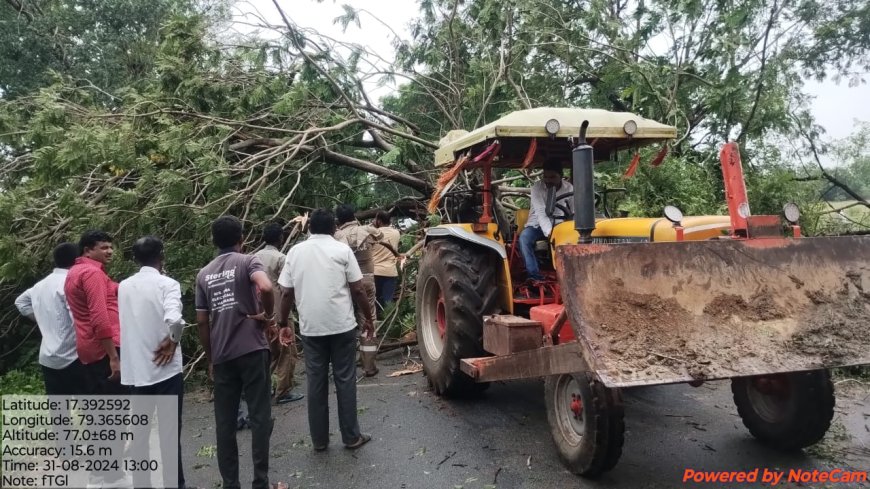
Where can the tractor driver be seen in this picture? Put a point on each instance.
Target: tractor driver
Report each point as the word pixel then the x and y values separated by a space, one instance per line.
pixel 540 225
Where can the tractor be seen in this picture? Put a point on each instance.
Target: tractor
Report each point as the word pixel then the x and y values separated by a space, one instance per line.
pixel 629 301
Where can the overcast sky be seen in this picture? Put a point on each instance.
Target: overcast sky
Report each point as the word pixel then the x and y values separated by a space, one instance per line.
pixel 836 106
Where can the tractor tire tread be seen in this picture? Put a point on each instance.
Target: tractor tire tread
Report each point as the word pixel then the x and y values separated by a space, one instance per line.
pixel 815 404
pixel 608 418
pixel 467 280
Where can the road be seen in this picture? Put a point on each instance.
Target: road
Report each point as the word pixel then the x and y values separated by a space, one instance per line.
pixel 503 440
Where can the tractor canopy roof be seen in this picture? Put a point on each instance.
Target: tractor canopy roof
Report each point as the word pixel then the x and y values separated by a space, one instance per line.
pixel 608 132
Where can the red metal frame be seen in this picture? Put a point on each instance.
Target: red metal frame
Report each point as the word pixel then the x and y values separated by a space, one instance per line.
pixel 735 189
pixel 485 158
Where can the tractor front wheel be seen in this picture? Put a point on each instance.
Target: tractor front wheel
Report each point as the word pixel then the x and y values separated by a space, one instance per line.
pixel 586 422
pixel 457 284
pixel 786 411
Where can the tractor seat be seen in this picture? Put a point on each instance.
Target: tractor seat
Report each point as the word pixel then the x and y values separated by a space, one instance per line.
pixel 522 216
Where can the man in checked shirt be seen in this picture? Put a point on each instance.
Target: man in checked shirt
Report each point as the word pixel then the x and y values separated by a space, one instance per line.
pixel 93 301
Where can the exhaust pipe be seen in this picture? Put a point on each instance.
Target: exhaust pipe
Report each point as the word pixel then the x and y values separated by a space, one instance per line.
pixel 584 187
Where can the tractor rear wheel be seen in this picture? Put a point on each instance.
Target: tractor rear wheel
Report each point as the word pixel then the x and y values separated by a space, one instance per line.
pixel 786 411
pixel 586 422
pixel 457 284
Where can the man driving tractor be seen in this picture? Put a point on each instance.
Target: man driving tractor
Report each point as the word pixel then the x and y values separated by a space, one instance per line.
pixel 540 224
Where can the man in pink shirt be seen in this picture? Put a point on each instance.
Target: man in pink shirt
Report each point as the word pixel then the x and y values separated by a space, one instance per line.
pixel 93 302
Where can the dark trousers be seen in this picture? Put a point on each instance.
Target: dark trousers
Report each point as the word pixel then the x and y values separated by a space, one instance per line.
pixel 248 373
pixel 340 350
pixel 68 381
pixel 386 291
pixel 71 380
pixel 173 386
pixel 98 374
pixel 98 377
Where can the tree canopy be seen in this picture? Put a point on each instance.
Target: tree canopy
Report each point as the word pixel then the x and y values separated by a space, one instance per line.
pixel 148 118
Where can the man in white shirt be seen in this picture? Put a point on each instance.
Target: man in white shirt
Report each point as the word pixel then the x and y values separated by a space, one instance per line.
pixel 149 307
pixel 45 303
pixel 322 277
pixel 539 225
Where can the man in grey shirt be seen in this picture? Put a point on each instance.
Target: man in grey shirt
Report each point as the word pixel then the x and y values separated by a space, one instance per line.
pixel 232 328
pixel 283 356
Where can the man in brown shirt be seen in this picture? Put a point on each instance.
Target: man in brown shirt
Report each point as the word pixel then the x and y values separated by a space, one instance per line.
pixel 386 271
pixel 361 239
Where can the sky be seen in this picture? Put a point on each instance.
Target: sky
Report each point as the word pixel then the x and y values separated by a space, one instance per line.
pixel 836 106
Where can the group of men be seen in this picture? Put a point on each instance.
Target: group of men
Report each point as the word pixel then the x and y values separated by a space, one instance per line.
pixel 243 314
pixel 87 320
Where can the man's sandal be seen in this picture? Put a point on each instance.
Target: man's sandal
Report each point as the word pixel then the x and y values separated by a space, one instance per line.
pixel 363 439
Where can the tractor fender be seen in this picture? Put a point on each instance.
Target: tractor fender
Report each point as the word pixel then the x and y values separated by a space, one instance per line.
pixel 465 235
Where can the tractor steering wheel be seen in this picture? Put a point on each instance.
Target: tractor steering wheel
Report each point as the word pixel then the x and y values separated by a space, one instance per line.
pixel 567 214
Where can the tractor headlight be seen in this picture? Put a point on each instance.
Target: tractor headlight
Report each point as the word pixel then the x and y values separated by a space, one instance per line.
pixel 630 127
pixel 673 214
pixel 791 212
pixel 552 127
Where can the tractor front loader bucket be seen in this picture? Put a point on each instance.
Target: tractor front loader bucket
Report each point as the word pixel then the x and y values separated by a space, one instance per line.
pixel 658 313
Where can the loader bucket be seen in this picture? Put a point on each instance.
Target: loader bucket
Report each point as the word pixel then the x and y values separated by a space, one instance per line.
pixel 658 313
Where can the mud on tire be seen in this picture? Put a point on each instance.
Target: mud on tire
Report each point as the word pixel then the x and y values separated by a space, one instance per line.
pixel 457 284
pixel 796 414
pixel 592 446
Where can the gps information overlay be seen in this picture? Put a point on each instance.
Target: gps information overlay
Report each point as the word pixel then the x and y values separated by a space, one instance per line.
pixel 89 441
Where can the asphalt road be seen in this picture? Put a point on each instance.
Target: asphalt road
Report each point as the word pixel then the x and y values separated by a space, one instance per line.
pixel 503 440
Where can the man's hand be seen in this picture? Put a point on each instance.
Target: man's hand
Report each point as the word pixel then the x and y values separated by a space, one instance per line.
pixel 272 333
pixel 286 336
pixel 165 352
pixel 368 329
pixel 265 321
pixel 301 220
pixel 211 372
pixel 115 367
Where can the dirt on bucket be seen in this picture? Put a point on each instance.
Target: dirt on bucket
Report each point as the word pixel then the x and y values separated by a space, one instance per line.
pixel 679 325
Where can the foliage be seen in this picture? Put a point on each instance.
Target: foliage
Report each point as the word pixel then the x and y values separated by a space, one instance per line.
pixel 99 44
pixel 852 157
pixel 715 69
pixel 146 118
pixel 718 71
pixel 250 131
pixel 22 381
pixel 691 187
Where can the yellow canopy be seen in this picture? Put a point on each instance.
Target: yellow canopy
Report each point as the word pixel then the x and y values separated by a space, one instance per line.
pixel 531 124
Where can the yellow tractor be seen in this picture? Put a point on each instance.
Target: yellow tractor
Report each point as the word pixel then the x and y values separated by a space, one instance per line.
pixel 634 301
